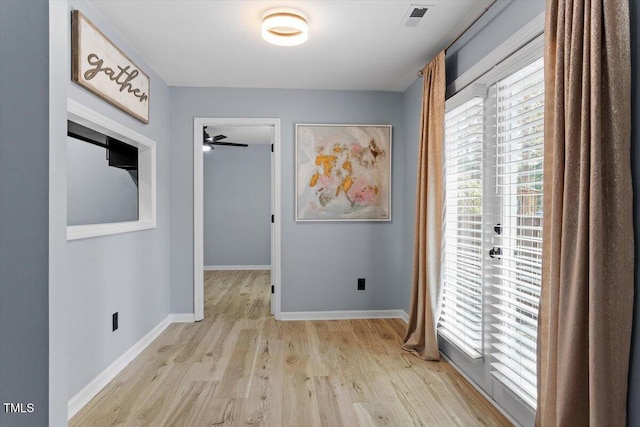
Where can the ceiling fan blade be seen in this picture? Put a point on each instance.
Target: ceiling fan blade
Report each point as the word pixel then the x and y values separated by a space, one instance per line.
pixel 233 144
pixel 209 138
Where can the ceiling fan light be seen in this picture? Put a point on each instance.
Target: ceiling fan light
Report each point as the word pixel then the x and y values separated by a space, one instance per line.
pixel 206 147
pixel 285 28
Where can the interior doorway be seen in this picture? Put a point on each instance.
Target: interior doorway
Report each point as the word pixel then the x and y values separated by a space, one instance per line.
pixel 213 128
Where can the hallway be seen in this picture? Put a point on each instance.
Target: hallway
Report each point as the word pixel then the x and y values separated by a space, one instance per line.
pixel 240 367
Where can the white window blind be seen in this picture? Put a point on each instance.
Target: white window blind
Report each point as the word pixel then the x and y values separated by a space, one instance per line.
pixel 461 310
pixel 516 286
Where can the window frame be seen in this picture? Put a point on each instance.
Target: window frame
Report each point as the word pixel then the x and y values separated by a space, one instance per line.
pixel 522 49
pixel 87 117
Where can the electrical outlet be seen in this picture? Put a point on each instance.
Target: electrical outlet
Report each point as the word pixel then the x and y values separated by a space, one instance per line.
pixel 361 284
pixel 114 321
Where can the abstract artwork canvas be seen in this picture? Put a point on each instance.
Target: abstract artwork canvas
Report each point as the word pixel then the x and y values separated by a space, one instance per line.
pixel 343 172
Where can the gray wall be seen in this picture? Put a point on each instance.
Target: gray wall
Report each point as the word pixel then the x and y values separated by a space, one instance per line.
pixel 24 209
pixel 320 261
pixel 503 20
pixel 237 206
pixel 633 401
pixel 128 273
pixel 411 110
pixel 96 192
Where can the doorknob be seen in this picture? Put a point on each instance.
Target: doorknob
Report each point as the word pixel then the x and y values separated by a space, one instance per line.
pixel 495 252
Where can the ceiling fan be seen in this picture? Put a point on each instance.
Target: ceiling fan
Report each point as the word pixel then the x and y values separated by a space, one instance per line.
pixel 209 141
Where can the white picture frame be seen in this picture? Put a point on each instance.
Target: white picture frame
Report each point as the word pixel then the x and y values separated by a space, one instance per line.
pixel 343 172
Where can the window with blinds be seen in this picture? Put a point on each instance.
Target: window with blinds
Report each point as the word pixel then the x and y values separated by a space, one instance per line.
pixel 516 286
pixel 492 260
pixel 461 310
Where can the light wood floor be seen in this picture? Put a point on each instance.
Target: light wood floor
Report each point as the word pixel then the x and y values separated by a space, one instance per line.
pixel 239 367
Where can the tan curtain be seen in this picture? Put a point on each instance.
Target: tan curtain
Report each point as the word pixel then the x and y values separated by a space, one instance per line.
pixel 587 282
pixel 421 337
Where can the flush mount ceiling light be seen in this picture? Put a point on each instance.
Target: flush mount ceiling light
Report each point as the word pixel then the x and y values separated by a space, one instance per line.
pixel 285 27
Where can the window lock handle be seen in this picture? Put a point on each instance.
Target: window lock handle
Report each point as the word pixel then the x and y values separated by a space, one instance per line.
pixel 495 252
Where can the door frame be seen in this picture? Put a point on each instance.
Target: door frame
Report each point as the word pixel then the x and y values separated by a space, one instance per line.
pixel 198 207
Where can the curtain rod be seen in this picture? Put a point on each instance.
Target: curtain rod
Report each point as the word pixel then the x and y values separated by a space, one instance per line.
pixel 466 29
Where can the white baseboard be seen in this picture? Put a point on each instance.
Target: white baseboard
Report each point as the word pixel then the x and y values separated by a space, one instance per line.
pixel 404 316
pixel 182 318
pixel 236 267
pixel 83 397
pixel 342 315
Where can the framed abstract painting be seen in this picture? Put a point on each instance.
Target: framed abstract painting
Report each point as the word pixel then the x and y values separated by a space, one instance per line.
pixel 343 172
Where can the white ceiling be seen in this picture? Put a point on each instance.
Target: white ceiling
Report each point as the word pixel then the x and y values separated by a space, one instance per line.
pixel 251 135
pixel 354 44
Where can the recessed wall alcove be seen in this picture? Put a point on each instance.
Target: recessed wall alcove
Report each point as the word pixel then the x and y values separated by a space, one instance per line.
pixel 146 174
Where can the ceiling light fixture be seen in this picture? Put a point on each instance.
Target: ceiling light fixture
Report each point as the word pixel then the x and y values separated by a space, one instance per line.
pixel 285 27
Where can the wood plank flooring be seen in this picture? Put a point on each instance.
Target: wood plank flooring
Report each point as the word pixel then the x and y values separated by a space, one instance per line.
pixel 239 367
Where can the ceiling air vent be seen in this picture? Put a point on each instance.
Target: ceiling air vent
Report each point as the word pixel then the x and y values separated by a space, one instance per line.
pixel 414 15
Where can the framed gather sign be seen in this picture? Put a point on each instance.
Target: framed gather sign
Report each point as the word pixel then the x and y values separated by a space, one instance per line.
pixel 101 68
